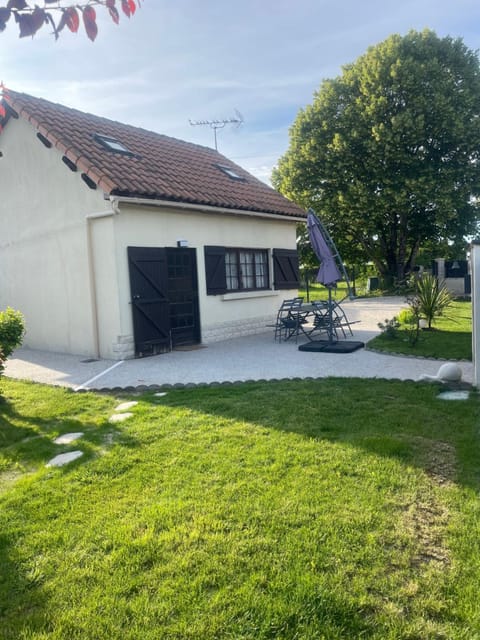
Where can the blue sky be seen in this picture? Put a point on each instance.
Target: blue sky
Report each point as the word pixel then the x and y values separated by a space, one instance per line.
pixel 185 59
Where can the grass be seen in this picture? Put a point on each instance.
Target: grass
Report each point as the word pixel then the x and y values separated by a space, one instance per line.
pixel 449 338
pixel 319 292
pixel 333 509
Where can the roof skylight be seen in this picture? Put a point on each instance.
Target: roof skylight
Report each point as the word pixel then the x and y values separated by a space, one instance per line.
pixel 231 173
pixel 112 144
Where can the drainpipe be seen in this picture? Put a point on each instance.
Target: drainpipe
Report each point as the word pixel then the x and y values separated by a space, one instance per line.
pixel 90 217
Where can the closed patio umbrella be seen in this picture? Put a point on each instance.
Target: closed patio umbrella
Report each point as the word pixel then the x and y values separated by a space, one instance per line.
pixel 329 272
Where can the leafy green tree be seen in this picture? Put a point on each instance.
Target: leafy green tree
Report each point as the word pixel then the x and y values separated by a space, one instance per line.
pixel 388 153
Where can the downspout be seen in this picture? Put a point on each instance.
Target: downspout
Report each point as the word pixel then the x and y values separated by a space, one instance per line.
pixel 90 217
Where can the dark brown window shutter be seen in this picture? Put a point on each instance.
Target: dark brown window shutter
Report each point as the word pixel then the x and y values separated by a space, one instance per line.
pixel 286 274
pixel 215 270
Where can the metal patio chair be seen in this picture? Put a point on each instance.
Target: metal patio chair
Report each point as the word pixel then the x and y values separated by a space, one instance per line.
pixel 329 317
pixel 289 319
pixel 340 319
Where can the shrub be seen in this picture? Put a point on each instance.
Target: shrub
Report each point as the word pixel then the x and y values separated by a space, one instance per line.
pixel 412 320
pixel 431 299
pixel 406 316
pixel 389 327
pixel 12 330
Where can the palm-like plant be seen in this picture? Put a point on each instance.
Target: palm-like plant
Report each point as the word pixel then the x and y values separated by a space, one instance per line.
pixel 431 298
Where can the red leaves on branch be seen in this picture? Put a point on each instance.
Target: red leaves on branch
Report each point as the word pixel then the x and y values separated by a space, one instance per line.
pixel 31 18
pixel 30 23
pixel 4 17
pixel 17 4
pixel 89 21
pixel 70 20
pixel 128 7
pixel 110 4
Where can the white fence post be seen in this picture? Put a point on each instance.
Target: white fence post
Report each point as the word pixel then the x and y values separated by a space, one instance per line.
pixel 440 270
pixel 475 274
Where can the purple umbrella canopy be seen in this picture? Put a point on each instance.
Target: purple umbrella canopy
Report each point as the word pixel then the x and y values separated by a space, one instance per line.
pixel 328 273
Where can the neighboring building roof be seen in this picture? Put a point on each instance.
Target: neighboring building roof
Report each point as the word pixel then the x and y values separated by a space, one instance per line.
pixel 128 161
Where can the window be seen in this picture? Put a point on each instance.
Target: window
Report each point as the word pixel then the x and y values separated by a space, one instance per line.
pixel 231 173
pixel 229 269
pixel 246 269
pixel 112 144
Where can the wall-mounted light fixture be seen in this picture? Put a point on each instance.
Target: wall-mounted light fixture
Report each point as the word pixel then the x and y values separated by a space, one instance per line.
pixel 182 243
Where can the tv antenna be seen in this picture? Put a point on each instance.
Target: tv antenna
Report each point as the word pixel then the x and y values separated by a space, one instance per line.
pixel 237 120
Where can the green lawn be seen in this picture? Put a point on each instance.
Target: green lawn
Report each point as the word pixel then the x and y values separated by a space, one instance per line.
pixel 449 338
pixel 333 509
pixel 319 292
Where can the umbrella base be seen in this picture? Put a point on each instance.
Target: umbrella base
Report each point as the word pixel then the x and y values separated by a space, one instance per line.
pixel 343 346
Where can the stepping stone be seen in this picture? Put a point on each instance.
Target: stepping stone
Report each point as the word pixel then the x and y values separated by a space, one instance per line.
pixel 160 394
pixel 120 417
pixel 64 458
pixel 67 438
pixel 453 395
pixel 125 406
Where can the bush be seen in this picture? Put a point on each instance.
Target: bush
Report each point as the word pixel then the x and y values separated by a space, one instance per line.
pixel 12 330
pixel 389 327
pixel 406 316
pixel 430 299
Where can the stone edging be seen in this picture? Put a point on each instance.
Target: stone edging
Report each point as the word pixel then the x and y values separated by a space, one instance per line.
pixel 228 383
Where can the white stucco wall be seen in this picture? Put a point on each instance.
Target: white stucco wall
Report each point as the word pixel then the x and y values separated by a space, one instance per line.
pixel 43 256
pixel 220 316
pixel 105 294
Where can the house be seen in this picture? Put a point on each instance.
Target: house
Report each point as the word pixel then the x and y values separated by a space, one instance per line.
pixel 116 241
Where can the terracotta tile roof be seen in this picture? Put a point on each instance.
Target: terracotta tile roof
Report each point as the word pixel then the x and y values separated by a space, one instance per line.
pixel 159 167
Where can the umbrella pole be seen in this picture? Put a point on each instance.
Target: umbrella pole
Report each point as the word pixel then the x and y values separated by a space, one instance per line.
pixel 330 316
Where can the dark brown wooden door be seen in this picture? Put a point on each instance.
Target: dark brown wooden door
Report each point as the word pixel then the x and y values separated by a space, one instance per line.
pixel 183 296
pixel 149 290
pixel 163 284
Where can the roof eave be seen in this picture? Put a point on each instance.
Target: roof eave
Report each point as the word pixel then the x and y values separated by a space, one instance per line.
pixel 118 199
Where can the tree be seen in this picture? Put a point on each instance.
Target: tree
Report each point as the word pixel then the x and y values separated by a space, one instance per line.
pixel 388 153
pixel 29 19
